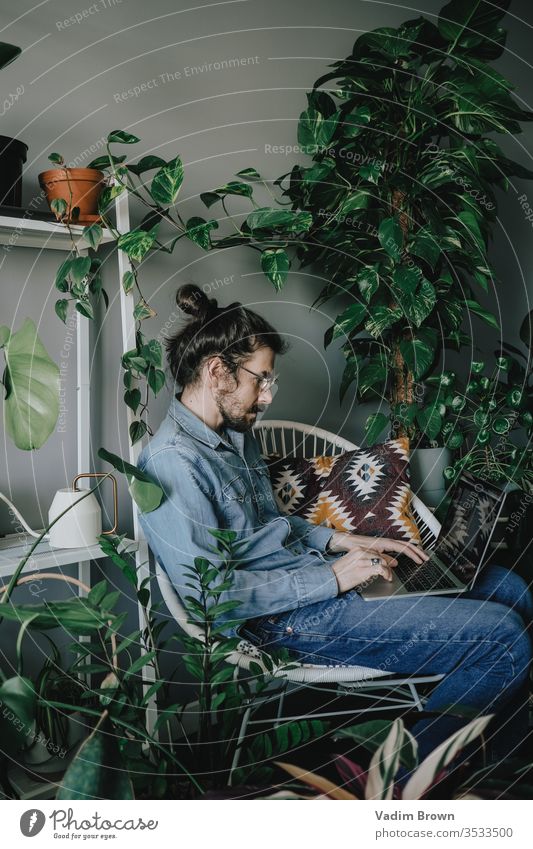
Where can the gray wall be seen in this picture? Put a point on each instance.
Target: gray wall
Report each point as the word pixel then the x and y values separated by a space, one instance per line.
pixel 75 79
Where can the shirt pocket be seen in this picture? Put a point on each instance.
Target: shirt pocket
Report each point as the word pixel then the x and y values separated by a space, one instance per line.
pixel 235 490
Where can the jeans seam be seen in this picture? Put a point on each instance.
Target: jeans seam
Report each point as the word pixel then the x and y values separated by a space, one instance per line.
pixel 277 632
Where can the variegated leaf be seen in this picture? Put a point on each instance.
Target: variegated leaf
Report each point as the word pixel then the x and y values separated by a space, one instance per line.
pixel 440 757
pixel 324 785
pixel 385 762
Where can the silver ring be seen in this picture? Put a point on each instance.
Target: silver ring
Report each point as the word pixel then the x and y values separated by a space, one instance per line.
pixel 376 561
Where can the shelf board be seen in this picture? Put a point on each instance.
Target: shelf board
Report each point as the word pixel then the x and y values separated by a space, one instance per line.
pixel 31 233
pixel 13 547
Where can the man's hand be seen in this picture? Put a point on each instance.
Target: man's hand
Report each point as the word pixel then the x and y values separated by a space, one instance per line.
pixel 380 545
pixel 356 567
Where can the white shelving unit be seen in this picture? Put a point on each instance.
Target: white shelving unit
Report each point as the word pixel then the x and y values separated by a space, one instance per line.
pixel 14 547
pixel 26 232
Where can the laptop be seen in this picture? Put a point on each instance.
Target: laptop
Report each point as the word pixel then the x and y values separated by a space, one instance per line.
pixel 460 552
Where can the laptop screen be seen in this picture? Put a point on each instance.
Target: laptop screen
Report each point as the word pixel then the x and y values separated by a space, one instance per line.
pixel 468 525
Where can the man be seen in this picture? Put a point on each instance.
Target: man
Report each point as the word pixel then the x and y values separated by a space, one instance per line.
pixel 297 582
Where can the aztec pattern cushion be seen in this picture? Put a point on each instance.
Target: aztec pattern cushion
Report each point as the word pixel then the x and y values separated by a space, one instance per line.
pixel 365 491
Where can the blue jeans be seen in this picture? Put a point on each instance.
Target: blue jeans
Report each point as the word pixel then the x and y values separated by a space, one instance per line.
pixel 478 640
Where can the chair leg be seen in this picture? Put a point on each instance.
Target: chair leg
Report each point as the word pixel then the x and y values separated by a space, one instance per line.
pixel 238 746
pixel 279 712
pixel 416 696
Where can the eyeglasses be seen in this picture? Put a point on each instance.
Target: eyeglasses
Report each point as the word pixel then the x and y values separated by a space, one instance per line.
pixel 264 384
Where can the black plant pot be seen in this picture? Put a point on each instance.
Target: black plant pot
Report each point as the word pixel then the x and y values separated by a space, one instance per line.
pixel 12 157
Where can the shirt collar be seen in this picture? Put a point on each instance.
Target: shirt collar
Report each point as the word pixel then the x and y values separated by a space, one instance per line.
pixel 199 430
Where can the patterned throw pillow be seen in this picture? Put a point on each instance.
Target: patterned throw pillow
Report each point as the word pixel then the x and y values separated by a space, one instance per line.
pixel 365 491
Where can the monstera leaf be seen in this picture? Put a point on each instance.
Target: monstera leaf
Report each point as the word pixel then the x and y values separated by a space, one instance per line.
pixel 31 381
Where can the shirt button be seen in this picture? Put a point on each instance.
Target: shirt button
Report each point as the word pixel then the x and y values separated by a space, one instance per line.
pixel 289 630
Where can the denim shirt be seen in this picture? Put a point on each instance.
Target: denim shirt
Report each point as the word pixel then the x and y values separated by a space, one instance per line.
pixel 215 481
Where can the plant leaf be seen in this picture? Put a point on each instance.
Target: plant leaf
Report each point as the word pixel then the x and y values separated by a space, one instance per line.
pixel 8 53
pixel 314 130
pixel 167 182
pixel 275 263
pixel 143 310
pixel 147 494
pixel 137 243
pixel 18 696
pixel 349 320
pixel 440 757
pixel 317 782
pixel 391 237
pixel 121 136
pixel 198 231
pixel 486 315
pixel 374 426
pixel 284 220
pixel 466 24
pixel 128 281
pixel 146 163
pixel 31 380
pixel 137 429
pixel 97 771
pixel 355 200
pixel 235 188
pixel 419 352
pixel 61 309
pixel 430 421
pixel 384 764
pixel 368 282
pixel 249 174
pixel 93 234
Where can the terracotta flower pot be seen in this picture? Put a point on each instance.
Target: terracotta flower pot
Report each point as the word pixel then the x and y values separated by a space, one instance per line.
pixel 78 187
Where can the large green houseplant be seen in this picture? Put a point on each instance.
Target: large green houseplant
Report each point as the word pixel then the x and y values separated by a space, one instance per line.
pixel 400 199
pixel 410 161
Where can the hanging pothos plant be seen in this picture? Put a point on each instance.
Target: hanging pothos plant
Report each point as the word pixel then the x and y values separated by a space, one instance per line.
pixel 79 277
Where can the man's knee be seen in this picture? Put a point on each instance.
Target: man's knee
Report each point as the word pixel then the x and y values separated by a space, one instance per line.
pixel 515 592
pixel 512 648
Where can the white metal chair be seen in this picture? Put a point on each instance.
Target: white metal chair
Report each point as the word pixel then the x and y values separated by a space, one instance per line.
pixel 296 439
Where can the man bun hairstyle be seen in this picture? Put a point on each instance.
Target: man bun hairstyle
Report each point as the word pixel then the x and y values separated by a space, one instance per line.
pixel 191 300
pixel 234 333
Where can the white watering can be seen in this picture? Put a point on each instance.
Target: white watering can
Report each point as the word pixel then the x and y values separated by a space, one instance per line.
pixel 82 523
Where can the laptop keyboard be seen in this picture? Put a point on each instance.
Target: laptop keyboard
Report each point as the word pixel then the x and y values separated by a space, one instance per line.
pixel 428 576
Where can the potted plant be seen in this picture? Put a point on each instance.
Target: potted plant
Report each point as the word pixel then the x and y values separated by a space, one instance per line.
pixel 79 278
pixel 489 426
pixel 397 205
pixel 72 193
pixel 402 197
pixel 392 747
